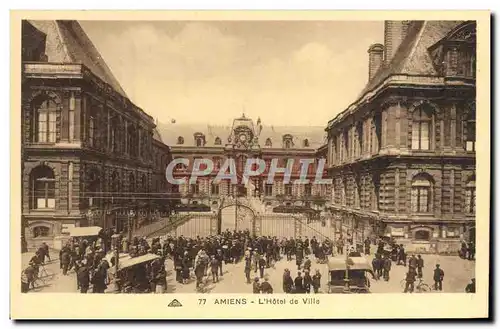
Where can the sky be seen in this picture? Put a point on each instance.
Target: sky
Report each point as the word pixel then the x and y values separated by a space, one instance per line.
pixel 288 73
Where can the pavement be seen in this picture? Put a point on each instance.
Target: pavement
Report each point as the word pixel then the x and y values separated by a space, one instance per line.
pixel 457 274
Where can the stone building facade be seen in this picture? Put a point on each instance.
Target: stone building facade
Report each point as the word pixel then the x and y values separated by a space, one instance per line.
pixel 248 139
pixel 402 156
pixel 87 150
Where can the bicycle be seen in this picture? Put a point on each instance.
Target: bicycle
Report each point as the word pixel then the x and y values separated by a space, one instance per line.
pixel 419 286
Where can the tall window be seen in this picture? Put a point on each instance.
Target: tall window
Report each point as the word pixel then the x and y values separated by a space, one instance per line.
pixel 215 189
pixel 377 132
pixel 218 141
pixel 268 142
pixel 180 140
pixel 288 144
pixel 346 145
pixel 199 142
pixel 288 189
pixel 43 185
pixel 356 194
pixel 144 181
pixel 94 187
pixel 46 116
pixel 131 180
pixel 470 130
pixel 92 129
pixel 421 128
pixel 359 139
pixel 376 192
pixel 306 142
pixel 470 197
pixel 421 194
pixel 195 188
pixel 268 190
pixel 343 200
pixel 307 190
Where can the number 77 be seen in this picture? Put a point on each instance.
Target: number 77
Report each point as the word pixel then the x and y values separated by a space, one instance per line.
pixel 202 301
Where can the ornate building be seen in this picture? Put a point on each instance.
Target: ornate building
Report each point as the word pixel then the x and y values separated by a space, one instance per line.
pixel 87 150
pixel 402 156
pixel 246 139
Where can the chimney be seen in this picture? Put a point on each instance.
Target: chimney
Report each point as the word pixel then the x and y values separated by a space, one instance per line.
pixel 375 59
pixel 394 33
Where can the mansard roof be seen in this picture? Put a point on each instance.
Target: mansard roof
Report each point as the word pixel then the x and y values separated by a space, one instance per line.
pixel 67 42
pixel 171 132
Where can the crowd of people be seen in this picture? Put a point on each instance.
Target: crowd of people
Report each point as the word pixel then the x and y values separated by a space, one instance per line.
pixel 204 258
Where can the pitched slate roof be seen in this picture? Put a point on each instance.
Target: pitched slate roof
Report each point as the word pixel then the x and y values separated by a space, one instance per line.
pixel 170 132
pixel 412 56
pixel 67 42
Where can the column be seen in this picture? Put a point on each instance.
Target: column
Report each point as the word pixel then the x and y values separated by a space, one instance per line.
pixel 70 186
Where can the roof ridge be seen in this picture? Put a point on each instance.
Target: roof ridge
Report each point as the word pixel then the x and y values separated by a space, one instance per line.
pixel 418 39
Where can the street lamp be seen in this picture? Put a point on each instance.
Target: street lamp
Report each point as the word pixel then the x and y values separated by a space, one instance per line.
pixel 131 214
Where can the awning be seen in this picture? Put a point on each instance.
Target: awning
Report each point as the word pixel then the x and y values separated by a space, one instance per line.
pixel 126 261
pixel 355 263
pixel 85 231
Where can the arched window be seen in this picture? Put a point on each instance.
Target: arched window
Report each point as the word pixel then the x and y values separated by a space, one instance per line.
pixel 421 128
pixel 199 142
pixel 306 142
pixel 421 194
pixel 268 142
pixel 40 231
pixel 470 197
pixel 423 235
pixel 46 118
pixel 218 141
pixel 180 140
pixel 115 182
pixel 470 129
pixel 288 143
pixel 43 186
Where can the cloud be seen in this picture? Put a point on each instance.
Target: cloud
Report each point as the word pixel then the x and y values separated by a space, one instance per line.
pixel 199 74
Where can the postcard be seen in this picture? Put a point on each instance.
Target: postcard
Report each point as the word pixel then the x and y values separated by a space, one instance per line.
pixel 250 164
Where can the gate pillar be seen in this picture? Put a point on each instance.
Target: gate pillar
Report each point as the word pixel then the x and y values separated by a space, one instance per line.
pixel 257 224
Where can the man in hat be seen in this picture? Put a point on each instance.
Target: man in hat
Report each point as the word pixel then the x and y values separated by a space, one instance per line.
pixel 307 282
pixel 471 287
pixel 420 265
pixel 287 281
pixel 83 277
pixel 438 278
pixel 262 265
pixel 298 282
pixel 316 281
pixel 214 265
pixel 256 285
pixel 266 287
pixel 248 268
pixel 220 257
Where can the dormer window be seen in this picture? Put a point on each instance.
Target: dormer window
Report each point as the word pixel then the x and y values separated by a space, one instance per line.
pixel 180 140
pixel 268 142
pixel 287 141
pixel 217 141
pixel 306 142
pixel 455 55
pixel 199 139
